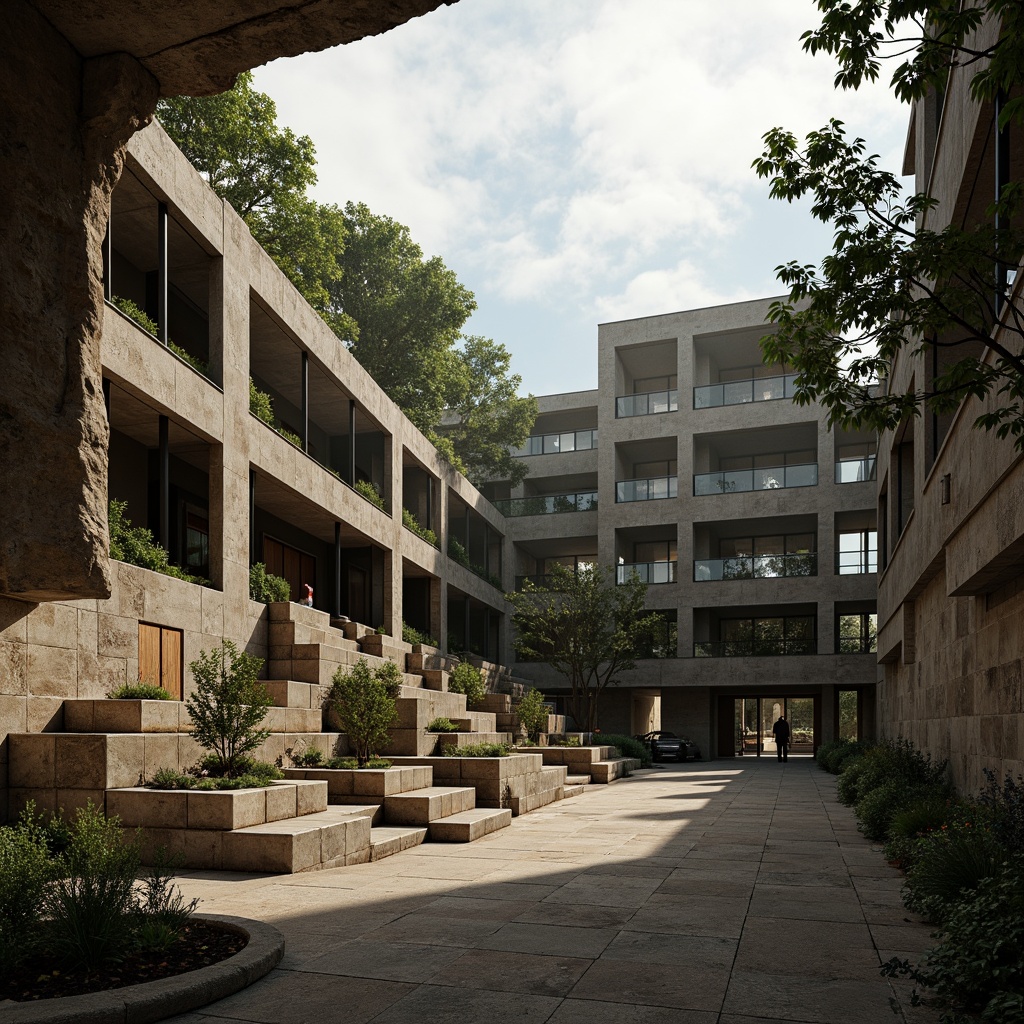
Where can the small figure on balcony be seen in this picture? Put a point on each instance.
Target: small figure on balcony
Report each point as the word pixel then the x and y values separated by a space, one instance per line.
pixel 307 595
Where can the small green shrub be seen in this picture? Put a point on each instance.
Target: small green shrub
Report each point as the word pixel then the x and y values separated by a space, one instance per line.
pixel 136 313
pixel 442 725
pixel 370 493
pixel 260 404
pixel 289 436
pixel 918 819
pixel 312 758
pixel 350 763
pixel 833 755
pixel 457 553
pixel 410 522
pixel 208 774
pixel 195 362
pixel 228 705
pixel 848 783
pixel 266 587
pixel 26 869
pixel 1004 803
pixel 876 809
pixel 136 546
pixel 466 679
pixel 568 741
pixel 139 691
pixel 411 635
pixel 532 713
pixel 477 750
pixel 628 747
pixel 364 703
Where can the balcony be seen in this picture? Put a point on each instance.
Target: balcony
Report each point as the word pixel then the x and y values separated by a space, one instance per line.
pixel 741 392
pixel 734 481
pixel 548 504
pixel 855 471
pixel 649 404
pixel 755 567
pixel 755 648
pixel 649 489
pixel 649 572
pixel 555 444
pixel 858 645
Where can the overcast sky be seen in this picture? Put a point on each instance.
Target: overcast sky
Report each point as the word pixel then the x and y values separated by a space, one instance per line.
pixel 580 161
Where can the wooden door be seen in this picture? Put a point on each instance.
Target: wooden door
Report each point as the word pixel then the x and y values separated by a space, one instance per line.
pixel 160 658
pixel 297 567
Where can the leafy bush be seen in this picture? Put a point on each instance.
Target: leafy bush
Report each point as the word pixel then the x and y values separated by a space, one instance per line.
pixel 411 635
pixel 914 821
pixel 410 522
pixel 136 546
pixel 370 493
pixel 139 691
pixel 266 587
pixel 1005 805
pixel 976 966
pixel 136 313
pixel 195 362
pixel 568 741
pixel 442 725
pixel 260 404
pixel 628 747
pixel 25 871
pixel 477 750
pixel 833 755
pixel 848 783
pixel 467 680
pixel 877 808
pixel 312 758
pixel 350 763
pixel 950 862
pixel 457 553
pixel 364 703
pixel 228 705
pixel 532 713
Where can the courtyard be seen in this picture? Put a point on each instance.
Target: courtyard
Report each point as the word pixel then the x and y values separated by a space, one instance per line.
pixel 711 893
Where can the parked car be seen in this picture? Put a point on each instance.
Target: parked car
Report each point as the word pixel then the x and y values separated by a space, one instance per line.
pixel 669 745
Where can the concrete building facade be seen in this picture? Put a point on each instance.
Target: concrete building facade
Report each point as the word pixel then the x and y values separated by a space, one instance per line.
pixel 752 523
pixel 951 497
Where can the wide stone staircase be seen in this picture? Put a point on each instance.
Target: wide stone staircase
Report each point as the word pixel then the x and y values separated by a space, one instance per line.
pixel 316 817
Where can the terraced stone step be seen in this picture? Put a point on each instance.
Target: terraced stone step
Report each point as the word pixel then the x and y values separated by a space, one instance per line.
pixel 365 785
pixel 603 772
pixel 387 840
pixel 423 806
pixel 570 791
pixel 468 826
pixel 466 739
pixel 577 780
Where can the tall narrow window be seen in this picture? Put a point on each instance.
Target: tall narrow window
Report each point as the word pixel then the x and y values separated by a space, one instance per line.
pixel 856 552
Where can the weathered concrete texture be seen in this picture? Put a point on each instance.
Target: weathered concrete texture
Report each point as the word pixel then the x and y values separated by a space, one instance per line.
pixel 719 894
pixel 66 125
pixel 76 83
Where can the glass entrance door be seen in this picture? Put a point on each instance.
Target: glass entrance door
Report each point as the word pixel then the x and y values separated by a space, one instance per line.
pixel 754 718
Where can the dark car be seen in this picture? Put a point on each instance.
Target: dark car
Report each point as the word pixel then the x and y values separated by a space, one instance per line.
pixel 669 745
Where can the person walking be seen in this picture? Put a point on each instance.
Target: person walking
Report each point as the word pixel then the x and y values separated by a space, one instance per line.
pixel 781 732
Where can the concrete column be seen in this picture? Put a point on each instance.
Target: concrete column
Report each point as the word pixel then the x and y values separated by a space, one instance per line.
pixel 351 478
pixel 161 273
pixel 304 390
pixel 216 515
pixel 164 474
pixel 336 604
pixel 826 627
pixel 829 713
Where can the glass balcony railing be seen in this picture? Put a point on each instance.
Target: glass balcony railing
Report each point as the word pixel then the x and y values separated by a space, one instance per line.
pixel 543 580
pixel 646 490
pixel 649 572
pixel 733 481
pixel 855 471
pixel 740 392
pixel 755 567
pixel 547 504
pixel 755 648
pixel 648 404
pixel 555 444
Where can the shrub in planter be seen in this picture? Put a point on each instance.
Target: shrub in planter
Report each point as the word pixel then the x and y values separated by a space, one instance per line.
pixel 532 713
pixel 266 587
pixel 477 750
pixel 350 763
pixel 918 819
pixel 364 703
pixel 442 725
pixel 228 706
pixel 832 755
pixel 139 691
pixel 466 679
pixel 628 747
pixel 312 758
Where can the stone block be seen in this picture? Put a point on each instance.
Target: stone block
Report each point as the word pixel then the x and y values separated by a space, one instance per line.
pixel 149 808
pixel 18 799
pixel 225 810
pixel 117 636
pixel 13 670
pixel 281 802
pixel 52 671
pixel 44 714
pixel 32 761
pixel 13 715
pixel 53 624
pixel 71 800
pixel 159 751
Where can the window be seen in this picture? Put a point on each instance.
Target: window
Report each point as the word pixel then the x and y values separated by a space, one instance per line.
pixel 761 637
pixel 197 541
pixel 856 552
pixel 857 633
pixel 855 463
pixel 645 385
pixel 296 566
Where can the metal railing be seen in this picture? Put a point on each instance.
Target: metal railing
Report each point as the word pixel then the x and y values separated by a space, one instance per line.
pixel 649 404
pixel 755 567
pixel 735 481
pixel 649 572
pixel 856 471
pixel 741 392
pixel 649 489
pixel 547 504
pixel 856 563
pixel 754 648
pixel 858 645
pixel 555 444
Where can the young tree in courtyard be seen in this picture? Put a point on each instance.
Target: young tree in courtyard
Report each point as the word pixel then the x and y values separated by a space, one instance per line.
pixel 585 627
pixel 888 285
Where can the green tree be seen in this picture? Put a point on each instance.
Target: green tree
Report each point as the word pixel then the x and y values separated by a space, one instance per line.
pixel 228 706
pixel 888 285
pixel 364 703
pixel 586 628
pixel 532 713
pixel 264 172
pixel 488 416
pixel 466 679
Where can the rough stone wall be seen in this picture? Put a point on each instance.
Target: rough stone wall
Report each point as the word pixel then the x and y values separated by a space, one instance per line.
pixel 963 698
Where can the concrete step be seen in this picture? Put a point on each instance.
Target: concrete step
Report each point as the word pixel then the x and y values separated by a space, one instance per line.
pixel 496 703
pixel 570 791
pixel 468 826
pixel 365 785
pixel 123 716
pixel 577 780
pixel 290 693
pixel 423 806
pixel 327 839
pixel 381 646
pixel 387 840
pixel 603 772
pixel 466 739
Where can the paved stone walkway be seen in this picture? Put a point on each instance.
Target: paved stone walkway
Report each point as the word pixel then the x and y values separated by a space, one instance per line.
pixel 723 893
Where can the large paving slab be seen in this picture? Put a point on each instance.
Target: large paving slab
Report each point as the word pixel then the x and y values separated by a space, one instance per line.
pixel 719 893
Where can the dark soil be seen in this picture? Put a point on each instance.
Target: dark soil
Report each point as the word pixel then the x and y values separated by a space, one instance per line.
pixel 199 945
